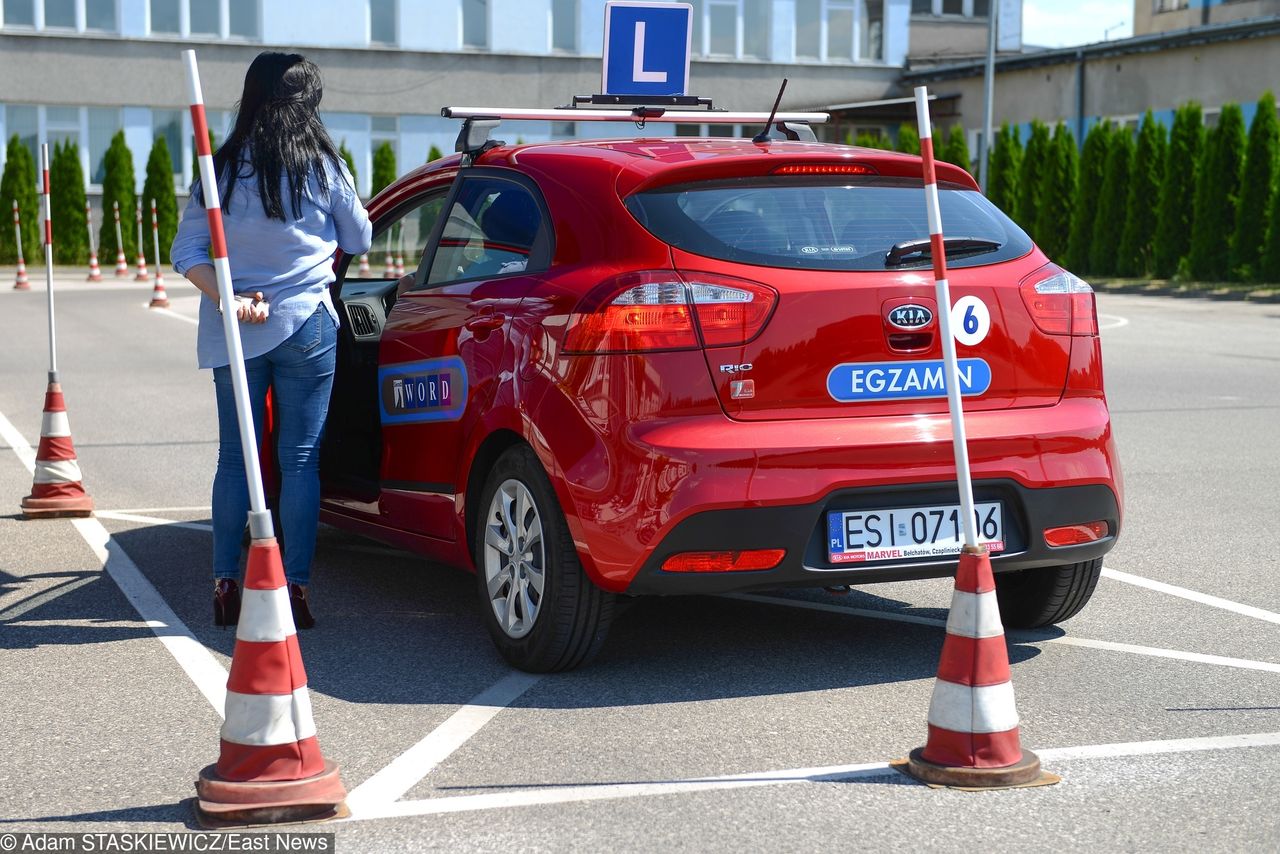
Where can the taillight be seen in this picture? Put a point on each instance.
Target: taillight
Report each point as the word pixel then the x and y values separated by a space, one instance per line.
pixel 1061 304
pixel 1074 535
pixel 824 169
pixel 752 560
pixel 666 310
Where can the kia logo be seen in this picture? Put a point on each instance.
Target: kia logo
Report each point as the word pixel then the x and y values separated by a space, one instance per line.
pixel 910 316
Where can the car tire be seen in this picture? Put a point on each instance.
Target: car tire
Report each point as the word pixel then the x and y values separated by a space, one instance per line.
pixel 564 624
pixel 1032 598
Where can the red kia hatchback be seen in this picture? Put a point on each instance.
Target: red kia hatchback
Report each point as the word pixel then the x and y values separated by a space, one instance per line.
pixel 691 366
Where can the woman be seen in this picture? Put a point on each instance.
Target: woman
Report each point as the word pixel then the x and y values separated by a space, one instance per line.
pixel 288 204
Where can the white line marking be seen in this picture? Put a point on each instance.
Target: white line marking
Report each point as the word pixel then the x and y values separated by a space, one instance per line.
pixel 384 788
pixel 1020 637
pixel 151 520
pixel 168 312
pixel 1116 322
pixel 1192 595
pixel 829 774
pixel 62 587
pixel 199 664
pixel 203 509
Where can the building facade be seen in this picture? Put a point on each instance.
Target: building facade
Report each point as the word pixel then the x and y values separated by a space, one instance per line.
pixel 81 70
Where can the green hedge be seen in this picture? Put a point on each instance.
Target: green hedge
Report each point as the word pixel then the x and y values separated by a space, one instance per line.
pixel 18 182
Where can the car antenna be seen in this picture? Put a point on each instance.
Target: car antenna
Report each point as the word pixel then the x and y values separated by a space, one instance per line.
pixel 763 136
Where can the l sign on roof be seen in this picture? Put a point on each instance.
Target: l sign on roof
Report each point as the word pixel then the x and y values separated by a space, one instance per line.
pixel 646 48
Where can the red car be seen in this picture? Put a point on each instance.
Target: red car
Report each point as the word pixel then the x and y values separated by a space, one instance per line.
pixel 692 366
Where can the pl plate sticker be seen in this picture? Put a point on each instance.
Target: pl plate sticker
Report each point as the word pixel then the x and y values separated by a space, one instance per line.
pixel 414 392
pixel 970 320
pixel 856 382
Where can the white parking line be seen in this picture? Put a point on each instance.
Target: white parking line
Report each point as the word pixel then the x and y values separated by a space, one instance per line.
pixel 1114 321
pixel 208 675
pixel 1191 595
pixel 147 510
pixel 168 312
pixel 406 770
pixel 1110 646
pixel 830 774
pixel 151 520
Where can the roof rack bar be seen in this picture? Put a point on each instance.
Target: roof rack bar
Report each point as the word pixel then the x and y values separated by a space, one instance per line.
pixel 639 114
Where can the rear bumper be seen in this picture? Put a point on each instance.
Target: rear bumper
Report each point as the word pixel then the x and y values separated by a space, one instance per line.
pixel 801 530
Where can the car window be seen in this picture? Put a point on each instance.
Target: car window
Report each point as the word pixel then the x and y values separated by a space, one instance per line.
pixel 495 228
pixel 400 239
pixel 825 224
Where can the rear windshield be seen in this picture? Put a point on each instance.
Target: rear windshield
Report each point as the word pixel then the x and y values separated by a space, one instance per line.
pixel 824 224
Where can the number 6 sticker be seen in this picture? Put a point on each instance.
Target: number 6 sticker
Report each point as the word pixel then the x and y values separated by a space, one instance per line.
pixel 970 320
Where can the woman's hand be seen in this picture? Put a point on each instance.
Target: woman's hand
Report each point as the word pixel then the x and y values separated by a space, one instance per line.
pixel 252 308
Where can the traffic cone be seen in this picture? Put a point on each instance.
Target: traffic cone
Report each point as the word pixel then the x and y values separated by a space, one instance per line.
pixel 364 265
pixel 269 768
pixel 973 721
pixel 142 275
pixel 389 268
pixel 95 272
pixel 122 266
pixel 159 299
pixel 21 282
pixel 56 490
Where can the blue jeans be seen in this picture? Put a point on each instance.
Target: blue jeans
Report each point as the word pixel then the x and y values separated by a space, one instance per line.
pixel 300 372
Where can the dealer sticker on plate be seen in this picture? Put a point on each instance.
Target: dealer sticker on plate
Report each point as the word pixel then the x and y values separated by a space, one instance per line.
pixel 908 533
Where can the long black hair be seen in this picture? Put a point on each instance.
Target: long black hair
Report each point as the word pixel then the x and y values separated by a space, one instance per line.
pixel 277 132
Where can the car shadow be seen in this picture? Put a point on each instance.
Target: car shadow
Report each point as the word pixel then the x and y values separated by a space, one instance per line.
pixel 394 628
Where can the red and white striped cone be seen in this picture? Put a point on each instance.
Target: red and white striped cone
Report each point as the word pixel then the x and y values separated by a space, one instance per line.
pixel 122 266
pixel 364 265
pixel 399 265
pixel 270 768
pixel 142 275
pixel 389 268
pixel 400 251
pixel 973 721
pixel 20 281
pixel 95 272
pixel 159 299
pixel 57 489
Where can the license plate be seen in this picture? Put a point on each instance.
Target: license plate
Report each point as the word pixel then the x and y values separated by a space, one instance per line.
pixel 908 533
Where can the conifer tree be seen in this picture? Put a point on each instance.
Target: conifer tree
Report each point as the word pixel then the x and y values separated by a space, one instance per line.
pixel 956 149
pixel 349 159
pixel 1262 164
pixel 1093 168
pixel 1108 225
pixel 1137 241
pixel 384 167
pixel 66 203
pixel 18 182
pixel 1177 191
pixel 1002 176
pixel 434 154
pixel 1057 194
pixel 159 186
pixel 866 139
pixel 1217 194
pixel 1271 251
pixel 1034 163
pixel 908 139
pixel 118 186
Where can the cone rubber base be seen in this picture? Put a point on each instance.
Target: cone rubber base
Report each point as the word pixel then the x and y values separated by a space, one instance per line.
pixel 1021 774
pixel 54 508
pixel 163 302
pixel 226 803
pixel 21 286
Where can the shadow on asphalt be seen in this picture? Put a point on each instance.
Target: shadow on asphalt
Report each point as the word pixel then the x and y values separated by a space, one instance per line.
pixel 180 813
pixel 396 629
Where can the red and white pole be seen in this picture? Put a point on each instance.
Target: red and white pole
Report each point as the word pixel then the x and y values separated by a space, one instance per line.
pixel 122 266
pixel 973 736
pixel 142 274
pixel 269 767
pixel 48 257
pixel 159 299
pixel 21 282
pixel 399 250
pixel 95 272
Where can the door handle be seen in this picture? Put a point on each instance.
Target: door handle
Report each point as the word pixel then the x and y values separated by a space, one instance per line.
pixel 486 322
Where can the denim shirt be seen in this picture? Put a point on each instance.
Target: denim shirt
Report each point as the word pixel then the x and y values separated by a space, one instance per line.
pixel 290 262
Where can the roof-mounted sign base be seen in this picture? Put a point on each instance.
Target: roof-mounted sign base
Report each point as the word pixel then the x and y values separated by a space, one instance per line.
pixel 640 101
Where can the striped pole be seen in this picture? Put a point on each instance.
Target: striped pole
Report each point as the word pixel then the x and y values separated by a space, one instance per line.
pixel 270 768
pixel 399 250
pixel 389 267
pixel 364 265
pixel 21 282
pixel 142 274
pixel 973 720
pixel 56 489
pixel 159 299
pixel 95 272
pixel 122 266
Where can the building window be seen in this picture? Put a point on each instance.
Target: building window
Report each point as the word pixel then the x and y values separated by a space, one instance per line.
pixel 564 130
pixel 839 30
pixel 721 27
pixel 809 29
pixel 25 122
pixel 244 19
pixel 953 7
pixel 165 17
pixel 382 21
pixel 922 7
pixel 168 124
pixel 475 23
pixel 205 18
pixel 19 13
pixel 564 25
pixel 1159 6
pixel 830 30
pixel 60 14
pixel 871 30
pixel 103 124
pixel 100 15
pixel 61 124
pixel 755 28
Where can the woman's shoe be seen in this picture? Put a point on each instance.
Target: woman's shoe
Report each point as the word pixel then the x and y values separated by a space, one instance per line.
pixel 226 602
pixel 302 617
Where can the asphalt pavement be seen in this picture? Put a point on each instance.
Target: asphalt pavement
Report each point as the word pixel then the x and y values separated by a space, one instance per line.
pixel 709 723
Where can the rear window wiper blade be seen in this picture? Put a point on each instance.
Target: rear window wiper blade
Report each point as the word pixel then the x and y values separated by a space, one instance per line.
pixel 912 251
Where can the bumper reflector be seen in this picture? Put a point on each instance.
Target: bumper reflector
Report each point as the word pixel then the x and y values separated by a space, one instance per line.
pixel 746 561
pixel 1074 535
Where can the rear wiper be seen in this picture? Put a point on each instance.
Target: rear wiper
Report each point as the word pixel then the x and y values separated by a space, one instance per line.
pixel 912 251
